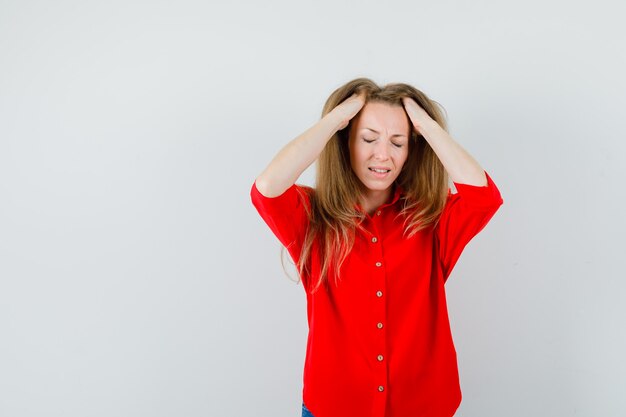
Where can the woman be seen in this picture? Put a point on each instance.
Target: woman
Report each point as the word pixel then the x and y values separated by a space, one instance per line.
pixel 374 243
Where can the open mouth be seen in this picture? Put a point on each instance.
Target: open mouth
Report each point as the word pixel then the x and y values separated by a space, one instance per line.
pixel 379 171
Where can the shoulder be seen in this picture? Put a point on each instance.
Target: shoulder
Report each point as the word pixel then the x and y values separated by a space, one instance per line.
pixel 305 189
pixel 306 194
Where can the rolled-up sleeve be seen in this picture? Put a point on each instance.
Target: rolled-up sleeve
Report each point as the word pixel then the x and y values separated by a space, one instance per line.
pixel 286 215
pixel 465 214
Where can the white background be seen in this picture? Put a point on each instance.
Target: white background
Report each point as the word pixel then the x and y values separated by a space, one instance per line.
pixel 137 279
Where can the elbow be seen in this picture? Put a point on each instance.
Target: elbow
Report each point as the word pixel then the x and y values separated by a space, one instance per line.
pixel 269 189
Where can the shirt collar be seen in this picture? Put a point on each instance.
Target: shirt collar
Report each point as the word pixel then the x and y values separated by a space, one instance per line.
pixel 398 191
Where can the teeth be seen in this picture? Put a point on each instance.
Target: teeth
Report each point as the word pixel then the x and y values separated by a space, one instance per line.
pixel 382 171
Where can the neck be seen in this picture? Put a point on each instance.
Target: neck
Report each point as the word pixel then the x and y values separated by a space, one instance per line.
pixel 371 200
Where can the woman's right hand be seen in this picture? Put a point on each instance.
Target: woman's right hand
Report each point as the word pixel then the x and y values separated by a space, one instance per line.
pixel 348 108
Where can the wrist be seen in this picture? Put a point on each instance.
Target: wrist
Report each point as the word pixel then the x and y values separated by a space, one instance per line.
pixel 335 120
pixel 428 128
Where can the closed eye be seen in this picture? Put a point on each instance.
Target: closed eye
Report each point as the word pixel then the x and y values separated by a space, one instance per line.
pixel 397 145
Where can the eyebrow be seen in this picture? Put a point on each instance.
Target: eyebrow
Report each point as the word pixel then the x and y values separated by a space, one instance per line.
pixel 393 136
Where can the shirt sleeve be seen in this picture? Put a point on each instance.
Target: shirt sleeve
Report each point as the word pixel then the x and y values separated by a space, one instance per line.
pixel 286 215
pixel 465 214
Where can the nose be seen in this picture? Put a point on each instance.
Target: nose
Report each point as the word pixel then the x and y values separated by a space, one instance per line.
pixel 381 151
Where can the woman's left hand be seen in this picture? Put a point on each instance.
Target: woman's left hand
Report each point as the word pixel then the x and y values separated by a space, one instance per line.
pixel 416 113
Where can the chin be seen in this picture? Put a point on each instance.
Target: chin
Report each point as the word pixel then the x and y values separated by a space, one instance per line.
pixel 377 186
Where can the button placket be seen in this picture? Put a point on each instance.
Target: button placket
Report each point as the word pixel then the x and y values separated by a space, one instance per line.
pixel 379 311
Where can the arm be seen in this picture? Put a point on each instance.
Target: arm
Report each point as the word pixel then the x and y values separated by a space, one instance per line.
pixel 468 211
pixel 465 214
pixel 459 164
pixel 300 153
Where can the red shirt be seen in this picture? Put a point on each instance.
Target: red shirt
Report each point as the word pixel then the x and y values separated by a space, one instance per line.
pixel 379 342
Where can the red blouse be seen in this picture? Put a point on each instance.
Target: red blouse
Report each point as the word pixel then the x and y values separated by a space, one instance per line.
pixel 379 342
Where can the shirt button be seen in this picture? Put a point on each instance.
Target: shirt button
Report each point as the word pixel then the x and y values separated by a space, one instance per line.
pixel 381 388
pixel 374 240
pixel 378 213
pixel 379 293
pixel 380 358
pixel 379 325
pixel 379 263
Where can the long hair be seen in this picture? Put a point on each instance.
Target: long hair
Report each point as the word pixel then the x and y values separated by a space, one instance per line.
pixel 333 218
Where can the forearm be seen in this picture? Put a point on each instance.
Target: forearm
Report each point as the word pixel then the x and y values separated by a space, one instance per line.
pixel 295 157
pixel 460 165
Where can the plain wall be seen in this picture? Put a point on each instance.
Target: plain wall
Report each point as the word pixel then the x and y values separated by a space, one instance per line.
pixel 136 277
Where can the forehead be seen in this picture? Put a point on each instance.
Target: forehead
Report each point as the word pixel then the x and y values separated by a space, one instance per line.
pixel 383 117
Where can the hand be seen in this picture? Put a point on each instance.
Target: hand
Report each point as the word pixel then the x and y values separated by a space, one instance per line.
pixel 348 109
pixel 416 113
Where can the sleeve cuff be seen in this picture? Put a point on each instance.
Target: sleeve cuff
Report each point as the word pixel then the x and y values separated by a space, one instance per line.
pixel 480 196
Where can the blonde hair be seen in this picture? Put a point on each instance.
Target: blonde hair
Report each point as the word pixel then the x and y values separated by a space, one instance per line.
pixel 333 218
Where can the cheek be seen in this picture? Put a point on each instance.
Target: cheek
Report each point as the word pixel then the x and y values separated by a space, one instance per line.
pixel 357 153
pixel 403 155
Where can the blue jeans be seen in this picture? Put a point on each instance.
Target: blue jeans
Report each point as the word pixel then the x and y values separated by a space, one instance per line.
pixel 306 412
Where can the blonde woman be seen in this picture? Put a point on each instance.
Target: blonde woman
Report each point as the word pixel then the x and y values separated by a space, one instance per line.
pixel 374 243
